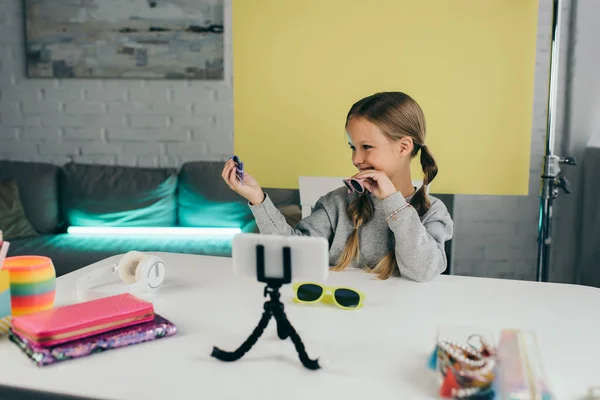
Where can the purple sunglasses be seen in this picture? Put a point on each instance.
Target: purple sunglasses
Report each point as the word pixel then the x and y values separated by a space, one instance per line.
pixel 355 185
pixel 239 168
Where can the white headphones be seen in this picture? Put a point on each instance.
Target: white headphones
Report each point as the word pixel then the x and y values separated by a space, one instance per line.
pixel 141 273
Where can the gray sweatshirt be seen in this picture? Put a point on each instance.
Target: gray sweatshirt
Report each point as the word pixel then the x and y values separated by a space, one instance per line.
pixel 418 242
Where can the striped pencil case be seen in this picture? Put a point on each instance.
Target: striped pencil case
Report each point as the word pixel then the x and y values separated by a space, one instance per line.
pixel 80 320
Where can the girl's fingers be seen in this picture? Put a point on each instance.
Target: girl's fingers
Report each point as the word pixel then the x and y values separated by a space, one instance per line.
pixel 228 172
pixel 226 168
pixel 232 177
pixel 224 173
pixel 227 175
pixel 365 175
pixel 375 176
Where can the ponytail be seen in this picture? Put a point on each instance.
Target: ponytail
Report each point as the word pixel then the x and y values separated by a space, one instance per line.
pixel 420 201
pixel 360 211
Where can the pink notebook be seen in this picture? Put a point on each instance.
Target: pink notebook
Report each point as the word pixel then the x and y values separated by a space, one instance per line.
pixel 81 320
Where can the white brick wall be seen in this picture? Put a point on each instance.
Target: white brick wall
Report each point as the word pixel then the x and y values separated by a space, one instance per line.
pixel 104 121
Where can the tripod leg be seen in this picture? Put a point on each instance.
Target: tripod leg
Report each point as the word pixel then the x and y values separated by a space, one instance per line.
pixel 284 326
pixel 247 345
pixel 306 361
pixel 283 329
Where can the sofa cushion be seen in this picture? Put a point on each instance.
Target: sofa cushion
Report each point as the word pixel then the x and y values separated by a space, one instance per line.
pixel 205 200
pixel 13 222
pixel 38 190
pixel 107 195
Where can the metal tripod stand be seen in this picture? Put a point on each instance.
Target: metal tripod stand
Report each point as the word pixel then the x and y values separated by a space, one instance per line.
pixel 551 180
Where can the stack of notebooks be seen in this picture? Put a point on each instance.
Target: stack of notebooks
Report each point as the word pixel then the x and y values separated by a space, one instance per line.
pixel 82 329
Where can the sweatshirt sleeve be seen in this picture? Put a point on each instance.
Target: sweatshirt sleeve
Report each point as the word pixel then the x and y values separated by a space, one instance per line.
pixel 419 248
pixel 271 221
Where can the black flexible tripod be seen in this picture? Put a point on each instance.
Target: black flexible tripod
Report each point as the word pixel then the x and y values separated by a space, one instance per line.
pixel 272 308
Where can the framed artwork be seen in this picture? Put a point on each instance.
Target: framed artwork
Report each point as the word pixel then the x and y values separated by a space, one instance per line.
pixel 162 39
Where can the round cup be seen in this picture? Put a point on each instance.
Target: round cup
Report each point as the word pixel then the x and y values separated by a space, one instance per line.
pixel 32 283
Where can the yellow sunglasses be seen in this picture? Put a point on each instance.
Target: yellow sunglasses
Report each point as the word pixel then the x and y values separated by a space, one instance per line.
pixel 343 297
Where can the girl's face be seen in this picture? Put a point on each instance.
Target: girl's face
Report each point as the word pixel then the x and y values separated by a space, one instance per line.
pixel 371 149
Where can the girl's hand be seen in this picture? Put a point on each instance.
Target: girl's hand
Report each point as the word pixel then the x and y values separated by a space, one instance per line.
pixel 250 190
pixel 377 182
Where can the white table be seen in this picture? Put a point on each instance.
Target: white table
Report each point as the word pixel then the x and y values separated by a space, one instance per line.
pixel 378 352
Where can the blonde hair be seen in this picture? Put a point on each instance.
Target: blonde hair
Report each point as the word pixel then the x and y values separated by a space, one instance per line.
pixel 397 115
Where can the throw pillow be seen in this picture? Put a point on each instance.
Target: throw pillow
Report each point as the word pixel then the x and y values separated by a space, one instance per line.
pixel 13 222
pixel 114 195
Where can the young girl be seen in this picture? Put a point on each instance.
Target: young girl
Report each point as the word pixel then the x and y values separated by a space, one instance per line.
pixel 393 226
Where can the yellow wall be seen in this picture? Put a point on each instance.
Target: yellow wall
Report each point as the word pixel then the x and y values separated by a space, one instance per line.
pixel 299 66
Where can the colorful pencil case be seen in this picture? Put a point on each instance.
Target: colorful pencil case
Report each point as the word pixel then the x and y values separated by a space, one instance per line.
pixel 158 328
pixel 81 320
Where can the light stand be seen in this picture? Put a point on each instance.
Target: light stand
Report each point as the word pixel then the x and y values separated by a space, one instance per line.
pixel 551 181
pixel 272 308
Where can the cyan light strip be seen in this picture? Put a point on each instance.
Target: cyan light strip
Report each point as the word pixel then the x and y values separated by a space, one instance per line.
pixel 154 231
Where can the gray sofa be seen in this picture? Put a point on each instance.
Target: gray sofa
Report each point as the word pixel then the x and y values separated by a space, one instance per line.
pixel 55 197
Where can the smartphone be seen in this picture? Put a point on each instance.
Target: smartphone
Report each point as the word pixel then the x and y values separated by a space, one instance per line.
pixel 309 256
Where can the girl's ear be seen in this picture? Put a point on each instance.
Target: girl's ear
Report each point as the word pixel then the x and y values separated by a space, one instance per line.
pixel 404 146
